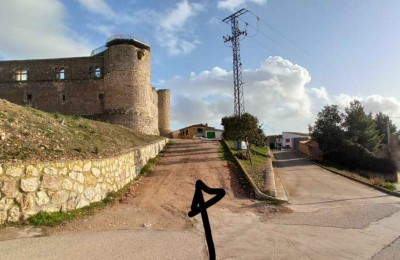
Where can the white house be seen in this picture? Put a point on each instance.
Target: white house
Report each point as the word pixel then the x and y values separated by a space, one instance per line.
pixel 292 139
pixel 213 133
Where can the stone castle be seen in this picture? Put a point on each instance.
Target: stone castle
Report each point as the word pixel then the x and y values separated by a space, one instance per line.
pixel 112 85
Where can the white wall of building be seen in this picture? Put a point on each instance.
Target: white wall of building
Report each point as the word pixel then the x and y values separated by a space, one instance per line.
pixel 287 139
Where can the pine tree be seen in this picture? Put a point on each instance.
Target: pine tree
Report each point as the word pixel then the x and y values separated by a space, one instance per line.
pixel 360 128
pixel 327 131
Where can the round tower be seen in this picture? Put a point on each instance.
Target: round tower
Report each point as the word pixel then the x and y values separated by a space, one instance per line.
pixel 164 111
pixel 127 87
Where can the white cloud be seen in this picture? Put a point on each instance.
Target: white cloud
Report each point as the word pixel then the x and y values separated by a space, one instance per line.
pixel 372 103
pixel 177 18
pixel 172 30
pixel 232 5
pixel 275 93
pixel 36 29
pixel 99 7
pixel 320 93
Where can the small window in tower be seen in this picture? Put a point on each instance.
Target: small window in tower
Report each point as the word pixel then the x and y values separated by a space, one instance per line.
pixel 101 96
pixel 140 55
pixel 94 72
pixel 63 98
pixel 21 75
pixel 60 73
pixel 28 97
pixel 97 72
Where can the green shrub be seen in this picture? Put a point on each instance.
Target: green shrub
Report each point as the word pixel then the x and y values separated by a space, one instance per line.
pixel 49 219
pixel 389 186
pixel 357 157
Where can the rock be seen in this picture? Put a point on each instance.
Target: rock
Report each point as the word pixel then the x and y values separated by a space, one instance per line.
pixel 80 178
pixel 71 203
pixel 14 171
pixel 29 184
pixel 9 188
pixel 26 202
pixel 67 184
pixel 42 198
pixel 51 182
pixel 2 136
pixel 50 170
pixel 59 197
pixel 73 175
pixel 3 217
pixel 90 180
pixel 82 202
pixel 1 169
pixel 87 166
pixel 77 168
pixel 78 187
pixel 5 203
pixel 32 171
pixel 90 194
pixel 146 225
pixel 13 214
pixel 63 171
pixel 96 172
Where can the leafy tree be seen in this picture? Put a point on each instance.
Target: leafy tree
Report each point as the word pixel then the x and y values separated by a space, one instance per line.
pixel 327 131
pixel 245 127
pixel 360 128
pixel 381 121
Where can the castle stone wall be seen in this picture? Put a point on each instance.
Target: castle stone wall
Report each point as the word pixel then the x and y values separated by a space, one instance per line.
pixel 121 94
pixel 76 94
pixel 164 111
pixel 27 189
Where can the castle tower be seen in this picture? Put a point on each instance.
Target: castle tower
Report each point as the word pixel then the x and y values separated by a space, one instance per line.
pixel 164 111
pixel 128 93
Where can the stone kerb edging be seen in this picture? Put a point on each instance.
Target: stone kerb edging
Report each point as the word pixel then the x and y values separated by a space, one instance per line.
pixel 270 177
pixel 257 192
pixel 27 189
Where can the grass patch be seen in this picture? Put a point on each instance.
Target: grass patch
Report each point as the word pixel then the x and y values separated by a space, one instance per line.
pixel 149 165
pixel 33 135
pixel 50 219
pixel 389 186
pixel 359 175
pixel 169 144
pixel 56 218
pixel 225 154
pixel 260 157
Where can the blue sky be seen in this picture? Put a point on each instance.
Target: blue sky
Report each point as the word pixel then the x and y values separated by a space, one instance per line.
pixel 301 55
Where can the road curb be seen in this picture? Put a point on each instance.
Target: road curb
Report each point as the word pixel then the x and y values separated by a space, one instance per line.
pixel 276 170
pixel 270 185
pixel 257 192
pixel 389 192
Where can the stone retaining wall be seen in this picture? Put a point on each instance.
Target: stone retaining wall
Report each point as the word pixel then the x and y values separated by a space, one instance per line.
pixel 27 189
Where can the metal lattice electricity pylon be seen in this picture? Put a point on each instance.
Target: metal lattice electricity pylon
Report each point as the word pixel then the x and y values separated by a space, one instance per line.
pixel 237 64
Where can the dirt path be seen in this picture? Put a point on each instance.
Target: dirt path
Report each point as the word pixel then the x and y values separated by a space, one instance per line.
pixel 162 199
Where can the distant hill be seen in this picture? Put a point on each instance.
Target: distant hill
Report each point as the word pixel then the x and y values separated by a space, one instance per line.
pixel 27 134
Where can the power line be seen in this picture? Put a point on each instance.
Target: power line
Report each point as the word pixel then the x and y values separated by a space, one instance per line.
pixel 237 64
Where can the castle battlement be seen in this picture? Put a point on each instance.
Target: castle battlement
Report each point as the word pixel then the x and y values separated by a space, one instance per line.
pixel 111 85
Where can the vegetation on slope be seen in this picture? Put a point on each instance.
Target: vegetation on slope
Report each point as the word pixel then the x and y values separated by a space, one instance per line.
pixel 27 134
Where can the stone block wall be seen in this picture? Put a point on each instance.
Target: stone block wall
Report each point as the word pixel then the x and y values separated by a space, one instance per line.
pixel 26 189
